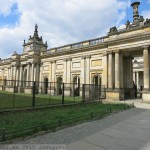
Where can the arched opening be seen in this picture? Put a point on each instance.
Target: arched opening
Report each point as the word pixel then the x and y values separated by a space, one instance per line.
pixel 97 80
pixel 96 87
pixel 59 85
pixel 76 86
pixel 45 85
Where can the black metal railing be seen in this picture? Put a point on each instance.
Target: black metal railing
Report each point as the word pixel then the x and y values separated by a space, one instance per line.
pixel 27 94
pixel 5 135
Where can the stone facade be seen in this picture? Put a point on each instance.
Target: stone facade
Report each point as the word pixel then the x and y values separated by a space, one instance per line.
pixel 106 60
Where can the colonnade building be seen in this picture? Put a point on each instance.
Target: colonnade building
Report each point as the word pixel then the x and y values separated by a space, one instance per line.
pixel 107 60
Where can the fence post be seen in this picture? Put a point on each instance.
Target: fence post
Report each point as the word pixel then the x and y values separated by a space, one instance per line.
pixel 3 135
pixel 63 93
pixel 33 94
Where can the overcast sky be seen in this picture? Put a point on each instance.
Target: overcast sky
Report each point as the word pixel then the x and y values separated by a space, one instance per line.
pixel 61 22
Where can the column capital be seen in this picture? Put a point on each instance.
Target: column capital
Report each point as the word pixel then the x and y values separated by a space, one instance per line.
pixel 88 56
pixel 52 61
pixel 83 57
pixel 65 59
pixel 109 52
pixel 116 51
pixel 145 47
pixel 68 59
pixel 105 54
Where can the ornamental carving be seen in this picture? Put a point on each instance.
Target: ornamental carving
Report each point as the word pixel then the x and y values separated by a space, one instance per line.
pixel 113 29
pixel 147 22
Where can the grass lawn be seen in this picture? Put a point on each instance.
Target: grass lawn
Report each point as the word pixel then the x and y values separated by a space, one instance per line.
pixel 26 119
pixel 10 100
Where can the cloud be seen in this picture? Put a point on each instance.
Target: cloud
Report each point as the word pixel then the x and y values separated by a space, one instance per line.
pixel 5 6
pixel 60 21
pixel 146 14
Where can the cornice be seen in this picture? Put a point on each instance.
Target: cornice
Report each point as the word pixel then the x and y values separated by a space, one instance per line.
pixel 77 50
pixel 129 39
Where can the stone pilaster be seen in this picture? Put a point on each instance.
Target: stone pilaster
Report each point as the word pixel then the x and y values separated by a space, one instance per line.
pixel 2 73
pixel 146 67
pixel 11 72
pixel 50 71
pixel 105 70
pixel 15 72
pixel 110 75
pixel 69 70
pixel 32 71
pixel 132 72
pixel 53 70
pixel 117 70
pixel 137 79
pixel 37 72
pixel 83 70
pixel 121 71
pixel 87 69
pixel 65 71
pixel 21 75
pixel 28 72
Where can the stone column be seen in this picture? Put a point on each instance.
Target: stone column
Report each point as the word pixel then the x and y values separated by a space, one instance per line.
pixel 15 71
pixel 105 71
pixel 83 70
pixel 110 85
pixel 11 73
pixel 28 73
pixel 146 67
pixel 117 70
pixel 32 72
pixel 134 77
pixel 131 73
pixel 121 71
pixel 53 70
pixel 69 70
pixel 11 78
pixel 17 75
pixel 137 79
pixel 8 75
pixel 50 71
pixel 65 71
pixel 87 69
pixel 3 73
pixel 37 72
pixel 20 76
pixel 41 71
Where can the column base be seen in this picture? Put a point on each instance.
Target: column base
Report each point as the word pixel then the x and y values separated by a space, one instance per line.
pixel 28 90
pixel 1 88
pixel 20 89
pixel 146 95
pixel 114 94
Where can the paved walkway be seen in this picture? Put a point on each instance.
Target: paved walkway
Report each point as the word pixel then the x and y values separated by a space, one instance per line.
pixel 128 130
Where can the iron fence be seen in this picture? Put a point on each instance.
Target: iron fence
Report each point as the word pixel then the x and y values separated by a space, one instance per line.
pixel 60 122
pixel 93 92
pixel 21 94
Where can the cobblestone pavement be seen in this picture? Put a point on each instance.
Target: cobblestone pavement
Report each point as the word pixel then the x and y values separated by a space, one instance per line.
pixel 127 130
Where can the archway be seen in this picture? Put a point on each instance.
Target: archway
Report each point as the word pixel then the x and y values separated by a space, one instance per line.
pixel 59 85
pixel 96 90
pixel 45 85
pixel 76 86
pixel 97 80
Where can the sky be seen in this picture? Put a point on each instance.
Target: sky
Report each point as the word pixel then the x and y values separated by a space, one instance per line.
pixel 61 22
